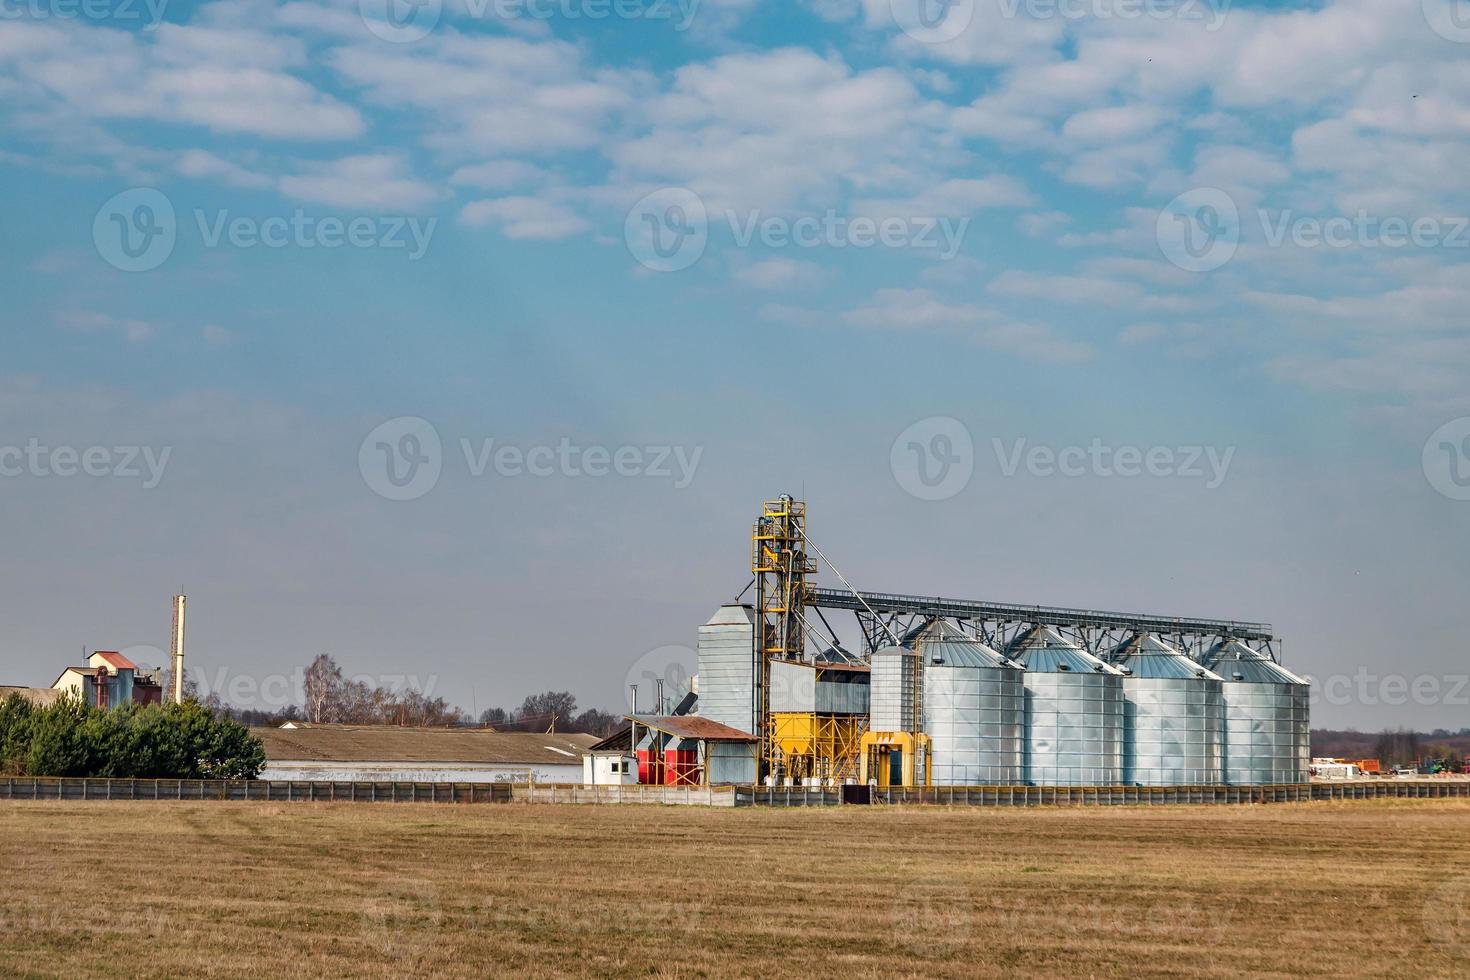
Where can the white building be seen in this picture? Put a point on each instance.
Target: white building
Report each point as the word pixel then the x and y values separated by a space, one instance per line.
pixel 383 753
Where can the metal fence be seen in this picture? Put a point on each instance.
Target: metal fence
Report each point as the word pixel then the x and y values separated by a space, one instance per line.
pixel 292 791
pixel 284 791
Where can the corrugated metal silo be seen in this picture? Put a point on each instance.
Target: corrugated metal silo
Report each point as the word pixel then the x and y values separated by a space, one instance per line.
pixel 727 668
pixel 894 682
pixel 973 709
pixel 1267 718
pixel 1074 712
pixel 1173 716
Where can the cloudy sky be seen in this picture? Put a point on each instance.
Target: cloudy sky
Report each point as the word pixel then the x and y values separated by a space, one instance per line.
pixel 463 341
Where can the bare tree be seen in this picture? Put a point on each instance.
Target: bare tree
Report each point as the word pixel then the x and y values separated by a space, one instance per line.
pixel 323 688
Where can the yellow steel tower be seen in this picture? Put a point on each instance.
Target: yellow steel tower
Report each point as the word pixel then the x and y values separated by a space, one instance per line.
pixel 780 564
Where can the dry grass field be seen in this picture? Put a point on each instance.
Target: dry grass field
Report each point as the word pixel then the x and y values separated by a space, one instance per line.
pixel 272 890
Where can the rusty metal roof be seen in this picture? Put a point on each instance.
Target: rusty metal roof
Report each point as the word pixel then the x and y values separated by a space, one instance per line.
pixel 692 726
pixel 115 660
pixel 388 743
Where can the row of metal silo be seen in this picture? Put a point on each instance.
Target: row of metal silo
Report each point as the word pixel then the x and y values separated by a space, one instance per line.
pixel 1048 713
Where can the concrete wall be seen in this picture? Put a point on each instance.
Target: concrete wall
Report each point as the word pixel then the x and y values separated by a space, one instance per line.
pixel 347 772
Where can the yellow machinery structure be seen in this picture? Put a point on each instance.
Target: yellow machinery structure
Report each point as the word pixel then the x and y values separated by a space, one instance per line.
pixel 895 759
pixel 797 745
pixel 816 748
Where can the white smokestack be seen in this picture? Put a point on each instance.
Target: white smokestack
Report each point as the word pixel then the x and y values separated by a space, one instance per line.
pixel 178 649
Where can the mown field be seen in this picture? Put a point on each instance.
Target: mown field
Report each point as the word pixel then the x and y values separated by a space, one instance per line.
pixel 289 890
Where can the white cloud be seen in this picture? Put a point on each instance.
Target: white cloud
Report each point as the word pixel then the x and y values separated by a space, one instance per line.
pixel 780 274
pixel 90 322
pixel 377 182
pixel 524 217
pixel 201 164
pixel 1087 290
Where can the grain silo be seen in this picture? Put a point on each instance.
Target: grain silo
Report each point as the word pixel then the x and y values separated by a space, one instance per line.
pixel 1074 712
pixel 973 709
pixel 1267 729
pixel 894 752
pixel 1173 716
pixel 727 668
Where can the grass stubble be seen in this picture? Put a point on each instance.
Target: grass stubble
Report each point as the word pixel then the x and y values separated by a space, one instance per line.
pixel 1377 888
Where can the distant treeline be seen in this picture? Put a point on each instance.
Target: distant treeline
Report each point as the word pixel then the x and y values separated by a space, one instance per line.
pixel 1393 747
pixel 332 697
pixel 131 741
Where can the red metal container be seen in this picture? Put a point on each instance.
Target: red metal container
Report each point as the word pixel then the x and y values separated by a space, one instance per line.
pixel 650 767
pixel 681 767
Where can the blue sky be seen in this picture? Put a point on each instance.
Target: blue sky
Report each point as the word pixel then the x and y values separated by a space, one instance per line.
pixel 1066 148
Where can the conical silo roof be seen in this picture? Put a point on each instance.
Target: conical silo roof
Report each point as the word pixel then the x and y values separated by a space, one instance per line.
pixel 1234 661
pixel 1042 650
pixel 732 614
pixel 943 643
pixel 1145 655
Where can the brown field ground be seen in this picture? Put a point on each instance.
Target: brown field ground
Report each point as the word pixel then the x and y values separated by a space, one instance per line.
pixel 393 890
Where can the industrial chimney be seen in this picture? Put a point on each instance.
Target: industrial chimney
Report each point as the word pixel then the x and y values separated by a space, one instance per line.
pixel 178 649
